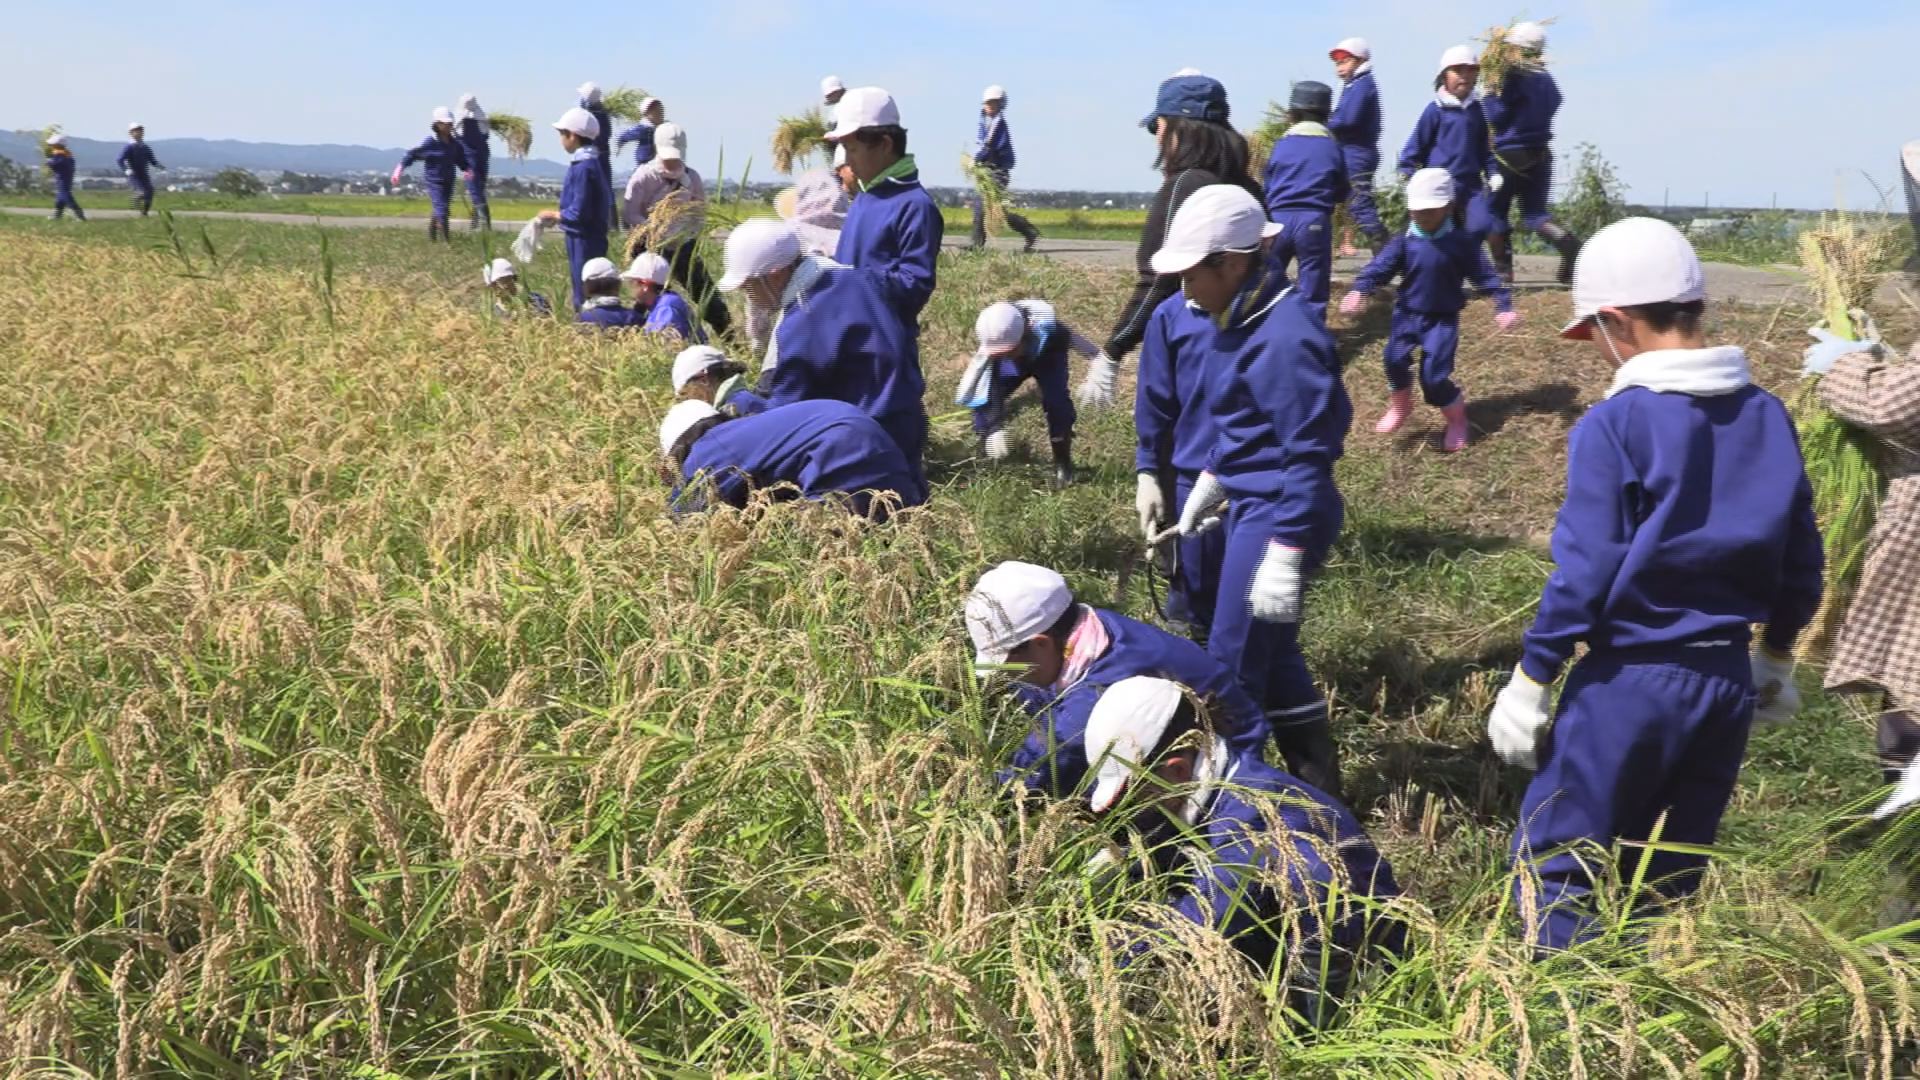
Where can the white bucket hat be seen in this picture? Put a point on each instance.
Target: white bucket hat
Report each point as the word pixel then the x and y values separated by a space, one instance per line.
pixel 599 269
pixel 1458 56
pixel 1000 327
pixel 1123 729
pixel 647 266
pixel 1218 217
pixel 680 419
pixel 692 362
pixel 498 270
pixel 1636 260
pixel 1012 604
pixel 758 247
pixel 1429 189
pixel 580 122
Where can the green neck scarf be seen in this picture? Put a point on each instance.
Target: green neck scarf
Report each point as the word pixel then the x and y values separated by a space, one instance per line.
pixel 896 171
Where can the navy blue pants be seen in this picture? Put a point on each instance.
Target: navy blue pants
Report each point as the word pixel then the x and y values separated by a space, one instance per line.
pixel 477 190
pixel 1526 177
pixel 1471 211
pixel 1056 399
pixel 142 192
pixel 64 201
pixel 1306 237
pixel 579 250
pixel 1196 575
pixel 1265 656
pixel 440 194
pixel 1437 337
pixel 1639 734
pixel 908 429
pixel 1362 162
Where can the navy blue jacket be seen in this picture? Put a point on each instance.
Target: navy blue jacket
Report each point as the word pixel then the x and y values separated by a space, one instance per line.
pixel 1170 415
pixel 1687 519
pixel 1450 139
pixel 672 312
pixel 996 143
pixel 440 160
pixel 1305 172
pixel 843 340
pixel 1280 413
pixel 62 166
pixel 1356 120
pixel 585 202
pixel 1053 759
pixel 820 447
pixel 641 136
pixel 475 138
pixel 1431 272
pixel 1521 115
pixel 137 158
pixel 602 142
pixel 1321 904
pixel 611 316
pixel 893 232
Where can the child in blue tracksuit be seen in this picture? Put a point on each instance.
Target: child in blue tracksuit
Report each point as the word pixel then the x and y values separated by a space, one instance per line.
pixel 1278 867
pixel 704 373
pixel 135 161
pixel 1022 616
pixel 585 201
pixel 993 151
pixel 1306 178
pixel 1175 433
pixel 815 449
pixel 1021 340
pixel 590 100
pixel 1431 260
pixel 1688 520
pixel 1452 135
pixel 1521 118
pixel 894 228
pixel 601 307
pixel 475 135
pixel 441 157
pixel 1280 417
pixel 61 164
pixel 1356 124
pixel 652 115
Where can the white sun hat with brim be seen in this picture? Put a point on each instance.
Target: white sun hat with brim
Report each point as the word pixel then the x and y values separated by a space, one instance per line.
pixel 1458 56
pixel 1000 327
pixel 580 122
pixel 1123 729
pixel 136 126
pixel 693 361
pixel 498 270
pixel 680 420
pixel 1634 261
pixel 442 115
pixel 1527 35
pixel 995 92
pixel 1012 604
pixel 863 107
pixel 758 247
pixel 56 139
pixel 1355 47
pixel 830 84
pixel 1429 189
pixel 599 269
pixel 1218 217
pixel 647 266
pixel 590 92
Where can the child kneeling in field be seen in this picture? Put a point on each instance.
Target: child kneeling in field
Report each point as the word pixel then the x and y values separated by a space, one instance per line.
pixel 1688 519
pixel 1431 259
pixel 704 373
pixel 508 301
pixel 1022 340
pixel 809 450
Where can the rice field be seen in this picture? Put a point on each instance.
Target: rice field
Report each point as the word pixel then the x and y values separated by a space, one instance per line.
pixel 365 717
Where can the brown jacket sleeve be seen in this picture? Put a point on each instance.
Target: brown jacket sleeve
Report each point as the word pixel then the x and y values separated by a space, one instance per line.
pixel 1879 397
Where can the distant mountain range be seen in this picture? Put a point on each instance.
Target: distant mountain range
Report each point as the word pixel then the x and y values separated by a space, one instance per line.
pixel 325 159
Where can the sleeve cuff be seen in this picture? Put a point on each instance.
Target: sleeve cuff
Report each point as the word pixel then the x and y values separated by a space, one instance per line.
pixel 1540 669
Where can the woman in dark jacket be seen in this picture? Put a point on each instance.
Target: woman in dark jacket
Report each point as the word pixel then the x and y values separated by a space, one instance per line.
pixel 1197 148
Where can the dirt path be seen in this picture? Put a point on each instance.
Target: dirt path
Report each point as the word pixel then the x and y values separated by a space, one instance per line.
pixel 1744 284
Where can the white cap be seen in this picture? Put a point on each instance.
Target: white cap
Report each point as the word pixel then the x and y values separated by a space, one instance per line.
pixel 693 360
pixel 995 92
pixel 829 84
pixel 1123 729
pixel 758 247
pixel 1637 260
pixel 580 122
pixel 499 270
pixel 599 269
pixel 1429 189
pixel 648 103
pixel 468 101
pixel 670 142
pixel 136 126
pixel 56 139
pixel 1218 217
pixel 680 419
pixel 1000 327
pixel 1186 72
pixel 1012 604
pixel 863 107
pixel 590 92
pixel 1527 35
pixel 1457 56
pixel 442 114
pixel 1353 46
pixel 647 266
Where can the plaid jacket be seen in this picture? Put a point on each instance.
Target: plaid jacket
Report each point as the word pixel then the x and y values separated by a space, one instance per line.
pixel 1879 646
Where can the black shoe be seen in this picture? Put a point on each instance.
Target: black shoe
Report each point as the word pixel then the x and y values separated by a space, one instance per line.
pixel 1569 247
pixel 1310 753
pixel 1062 463
pixel 1033 241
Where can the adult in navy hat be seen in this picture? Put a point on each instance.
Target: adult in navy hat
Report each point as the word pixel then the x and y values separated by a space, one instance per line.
pixel 1306 178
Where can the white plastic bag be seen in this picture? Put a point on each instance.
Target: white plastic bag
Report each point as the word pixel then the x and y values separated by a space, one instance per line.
pixel 527 244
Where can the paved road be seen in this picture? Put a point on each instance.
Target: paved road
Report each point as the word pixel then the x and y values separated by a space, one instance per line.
pixel 1746 284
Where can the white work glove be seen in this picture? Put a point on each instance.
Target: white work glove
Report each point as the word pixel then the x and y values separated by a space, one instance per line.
pixel 1519 716
pixel 1828 348
pixel 1776 698
pixel 1905 793
pixel 997 445
pixel 1496 181
pixel 1150 502
pixel 1277 584
pixel 1096 389
pixel 1198 515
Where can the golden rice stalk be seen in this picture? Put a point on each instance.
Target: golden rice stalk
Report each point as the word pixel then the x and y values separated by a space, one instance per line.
pixel 623 103
pixel 46 133
pixel 993 197
pixel 797 138
pixel 513 130
pixel 1499 56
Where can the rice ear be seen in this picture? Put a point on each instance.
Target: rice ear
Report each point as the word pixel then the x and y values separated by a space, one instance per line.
pixel 797 138
pixel 515 131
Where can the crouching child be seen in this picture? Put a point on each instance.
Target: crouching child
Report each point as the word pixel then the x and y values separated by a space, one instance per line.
pixel 816 450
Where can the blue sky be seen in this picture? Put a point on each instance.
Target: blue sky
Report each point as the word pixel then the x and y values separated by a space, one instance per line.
pixel 1745 101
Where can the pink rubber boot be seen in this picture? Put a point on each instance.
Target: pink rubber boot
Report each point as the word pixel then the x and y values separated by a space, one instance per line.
pixel 1456 437
pixel 1399 407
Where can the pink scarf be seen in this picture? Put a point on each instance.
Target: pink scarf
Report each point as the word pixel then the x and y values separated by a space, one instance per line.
pixel 1087 643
